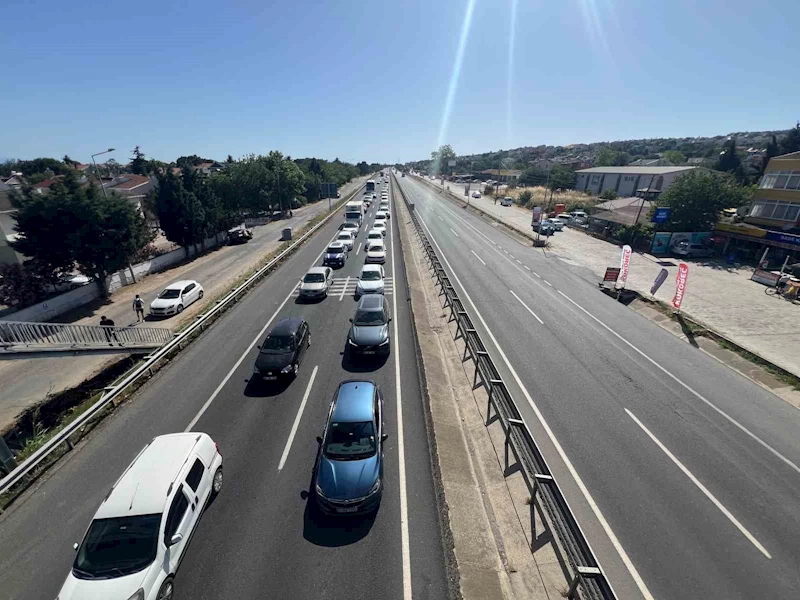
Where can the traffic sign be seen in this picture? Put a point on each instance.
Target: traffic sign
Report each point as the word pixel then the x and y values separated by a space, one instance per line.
pixel 661 215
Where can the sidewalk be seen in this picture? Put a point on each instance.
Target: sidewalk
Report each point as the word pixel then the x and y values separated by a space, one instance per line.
pixel 25 383
pixel 720 296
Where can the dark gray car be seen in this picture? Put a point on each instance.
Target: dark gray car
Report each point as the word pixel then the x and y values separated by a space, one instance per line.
pixel 369 332
pixel 283 349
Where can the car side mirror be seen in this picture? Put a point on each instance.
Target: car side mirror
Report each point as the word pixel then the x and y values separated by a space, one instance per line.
pixel 259 346
pixel 390 319
pixel 75 546
pixel 351 320
pixel 176 538
pixel 384 437
pixel 319 440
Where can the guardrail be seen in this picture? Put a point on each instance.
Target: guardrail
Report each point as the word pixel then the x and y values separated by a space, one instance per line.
pixel 18 337
pixel 146 368
pixel 586 571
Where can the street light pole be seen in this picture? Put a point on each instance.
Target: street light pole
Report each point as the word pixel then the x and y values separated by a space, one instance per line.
pixel 105 194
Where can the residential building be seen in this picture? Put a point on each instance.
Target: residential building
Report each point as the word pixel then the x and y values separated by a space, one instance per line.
pixel 44 186
pixel 643 182
pixel 7 234
pixel 132 187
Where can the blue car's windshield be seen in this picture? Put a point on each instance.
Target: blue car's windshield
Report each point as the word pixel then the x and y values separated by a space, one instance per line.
pixel 350 440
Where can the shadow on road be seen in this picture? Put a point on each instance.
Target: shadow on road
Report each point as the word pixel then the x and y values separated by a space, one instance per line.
pixel 258 388
pixel 354 363
pixel 332 532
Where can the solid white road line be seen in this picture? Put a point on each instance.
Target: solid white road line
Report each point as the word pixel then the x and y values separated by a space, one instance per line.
pixel 688 388
pixel 567 462
pixel 297 418
pixel 344 288
pixel 401 451
pixel 359 248
pixel 547 282
pixel 702 488
pixel 535 316
pixel 537 275
pixel 454 233
pixel 478 257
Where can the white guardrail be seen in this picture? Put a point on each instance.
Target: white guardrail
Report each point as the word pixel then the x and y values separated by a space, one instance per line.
pixel 113 392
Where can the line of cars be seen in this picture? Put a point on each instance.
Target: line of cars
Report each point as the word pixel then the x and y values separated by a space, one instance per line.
pixel 141 531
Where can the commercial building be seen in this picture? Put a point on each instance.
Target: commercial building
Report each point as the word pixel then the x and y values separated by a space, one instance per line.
pixel 628 182
pixel 503 175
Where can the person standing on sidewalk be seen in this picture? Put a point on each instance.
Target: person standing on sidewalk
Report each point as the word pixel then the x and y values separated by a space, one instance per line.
pixel 138 306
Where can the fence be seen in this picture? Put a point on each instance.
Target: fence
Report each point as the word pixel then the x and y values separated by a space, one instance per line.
pixel 19 337
pixel 586 572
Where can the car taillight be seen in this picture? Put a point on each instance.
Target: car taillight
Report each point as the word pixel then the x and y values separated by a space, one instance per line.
pixel 217 446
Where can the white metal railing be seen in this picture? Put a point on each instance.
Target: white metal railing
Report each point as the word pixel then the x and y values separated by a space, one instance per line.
pixel 21 337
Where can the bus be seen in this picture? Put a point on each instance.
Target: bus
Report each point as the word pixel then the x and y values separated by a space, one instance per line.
pixel 370 185
pixel 354 211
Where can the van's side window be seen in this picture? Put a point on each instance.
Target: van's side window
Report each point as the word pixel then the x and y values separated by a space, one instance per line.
pixel 195 475
pixel 176 511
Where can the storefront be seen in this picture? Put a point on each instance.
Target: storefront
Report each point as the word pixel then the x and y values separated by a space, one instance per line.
pixel 743 243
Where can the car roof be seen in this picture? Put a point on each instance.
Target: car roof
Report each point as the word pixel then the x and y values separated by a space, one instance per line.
pixel 370 268
pixel 373 230
pixel 158 465
pixel 353 402
pixel 371 302
pixel 321 270
pixel 341 233
pixel 175 285
pixel 376 242
pixel 336 244
pixel 287 326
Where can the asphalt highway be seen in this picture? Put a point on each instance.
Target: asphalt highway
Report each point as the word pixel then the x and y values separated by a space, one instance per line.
pixel 683 474
pixel 259 539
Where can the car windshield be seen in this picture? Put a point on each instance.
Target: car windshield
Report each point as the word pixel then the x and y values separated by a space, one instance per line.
pixel 370 276
pixel 117 547
pixel 277 344
pixel 369 317
pixel 169 294
pixel 332 250
pixel 375 248
pixel 314 278
pixel 347 441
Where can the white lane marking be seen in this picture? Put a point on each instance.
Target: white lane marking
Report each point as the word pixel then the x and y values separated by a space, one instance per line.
pixel 567 462
pixel 547 282
pixel 688 388
pixel 297 418
pixel 519 262
pixel 537 275
pixel 527 267
pixel 344 288
pixel 535 316
pixel 227 377
pixel 478 257
pixel 512 256
pixel 401 454
pixel 454 233
pixel 359 248
pixel 702 488
pixel 441 219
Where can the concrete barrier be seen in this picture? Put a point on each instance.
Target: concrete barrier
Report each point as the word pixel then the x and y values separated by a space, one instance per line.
pixel 57 305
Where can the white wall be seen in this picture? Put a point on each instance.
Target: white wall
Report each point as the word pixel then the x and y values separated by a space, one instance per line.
pixel 57 305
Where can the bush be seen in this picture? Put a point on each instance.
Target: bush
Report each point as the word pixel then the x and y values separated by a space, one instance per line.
pixel 525 197
pixel 488 191
pixel 609 195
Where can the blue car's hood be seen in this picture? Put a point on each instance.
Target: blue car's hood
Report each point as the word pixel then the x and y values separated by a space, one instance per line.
pixel 347 479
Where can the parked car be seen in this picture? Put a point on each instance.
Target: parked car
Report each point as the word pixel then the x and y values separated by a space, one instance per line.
pixel 545 227
pixel 175 297
pixel 507 201
pixel 239 236
pixel 348 475
pixel 69 282
pixel 476 194
pixel 370 281
pixel 685 249
pixel 347 238
pixel 558 223
pixel 283 349
pixel 376 252
pixel 316 283
pixel 335 255
pixel 369 332
pixel 139 535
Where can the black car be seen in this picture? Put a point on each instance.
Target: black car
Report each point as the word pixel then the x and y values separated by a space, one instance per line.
pixel 335 255
pixel 369 332
pixel 348 477
pixel 283 349
pixel 239 236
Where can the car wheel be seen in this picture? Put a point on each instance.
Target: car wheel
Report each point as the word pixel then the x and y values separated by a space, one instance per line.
pixel 200 295
pixel 216 484
pixel 165 592
pixel 179 310
pixel 309 339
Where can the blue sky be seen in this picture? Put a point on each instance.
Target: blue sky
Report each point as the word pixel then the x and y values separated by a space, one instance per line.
pixel 370 80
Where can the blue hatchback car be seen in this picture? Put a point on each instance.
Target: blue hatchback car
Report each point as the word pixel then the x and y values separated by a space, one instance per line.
pixel 348 478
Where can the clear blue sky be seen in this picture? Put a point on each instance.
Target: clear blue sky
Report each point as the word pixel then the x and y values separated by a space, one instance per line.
pixel 370 80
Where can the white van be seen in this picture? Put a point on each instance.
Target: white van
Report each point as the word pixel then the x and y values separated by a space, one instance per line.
pixel 151 511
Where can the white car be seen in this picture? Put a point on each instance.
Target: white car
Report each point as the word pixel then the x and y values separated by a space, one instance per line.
pixel 476 194
pixel 383 206
pixel 558 224
pixel 376 252
pixel 347 238
pixel 316 283
pixel 507 201
pixel 351 226
pixel 370 281
pixel 381 215
pixel 175 297
pixel 380 226
pixel 374 234
pixel 140 533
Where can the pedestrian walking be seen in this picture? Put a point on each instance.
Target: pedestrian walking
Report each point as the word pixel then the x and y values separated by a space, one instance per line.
pixel 108 329
pixel 138 306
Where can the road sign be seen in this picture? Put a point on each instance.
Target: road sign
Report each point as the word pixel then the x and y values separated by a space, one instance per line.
pixel 680 285
pixel 611 275
pixel 328 190
pixel 537 215
pixel 661 215
pixel 624 263
pixel 660 278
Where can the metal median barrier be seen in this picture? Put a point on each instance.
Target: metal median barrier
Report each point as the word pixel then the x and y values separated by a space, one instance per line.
pixel 146 368
pixel 588 578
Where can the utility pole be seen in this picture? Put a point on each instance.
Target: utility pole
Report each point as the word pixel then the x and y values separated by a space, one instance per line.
pixel 100 179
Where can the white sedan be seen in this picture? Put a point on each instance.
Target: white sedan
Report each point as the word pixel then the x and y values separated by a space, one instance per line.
pixel 347 238
pixel 382 215
pixel 175 297
pixel 476 194
pixel 380 226
pixel 370 281
pixel 376 252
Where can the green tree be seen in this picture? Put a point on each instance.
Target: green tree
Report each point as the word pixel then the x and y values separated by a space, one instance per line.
pixel 78 226
pixel 26 284
pixel 533 176
pixel 561 177
pixel 139 163
pixel 608 157
pixel 441 158
pixel 697 198
pixel 791 141
pixel 729 161
pixel 524 198
pixel 609 194
pixel 180 214
pixel 676 157
pixel 69 162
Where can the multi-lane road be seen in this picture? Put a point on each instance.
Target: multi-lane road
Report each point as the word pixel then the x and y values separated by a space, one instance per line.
pixel 259 539
pixel 683 473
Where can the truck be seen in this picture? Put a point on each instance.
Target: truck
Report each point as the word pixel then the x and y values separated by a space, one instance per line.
pixel 370 185
pixel 354 211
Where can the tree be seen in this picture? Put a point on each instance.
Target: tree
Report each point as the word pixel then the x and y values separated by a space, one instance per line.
pixel 488 191
pixel 25 284
pixel 729 162
pixel 69 162
pixel 363 168
pixel 609 194
pixel 525 197
pixel 608 157
pixel 561 177
pixel 532 176
pixel 139 163
pixel 77 225
pixel 676 157
pixel 791 141
pixel 697 198
pixel 180 214
pixel 441 159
